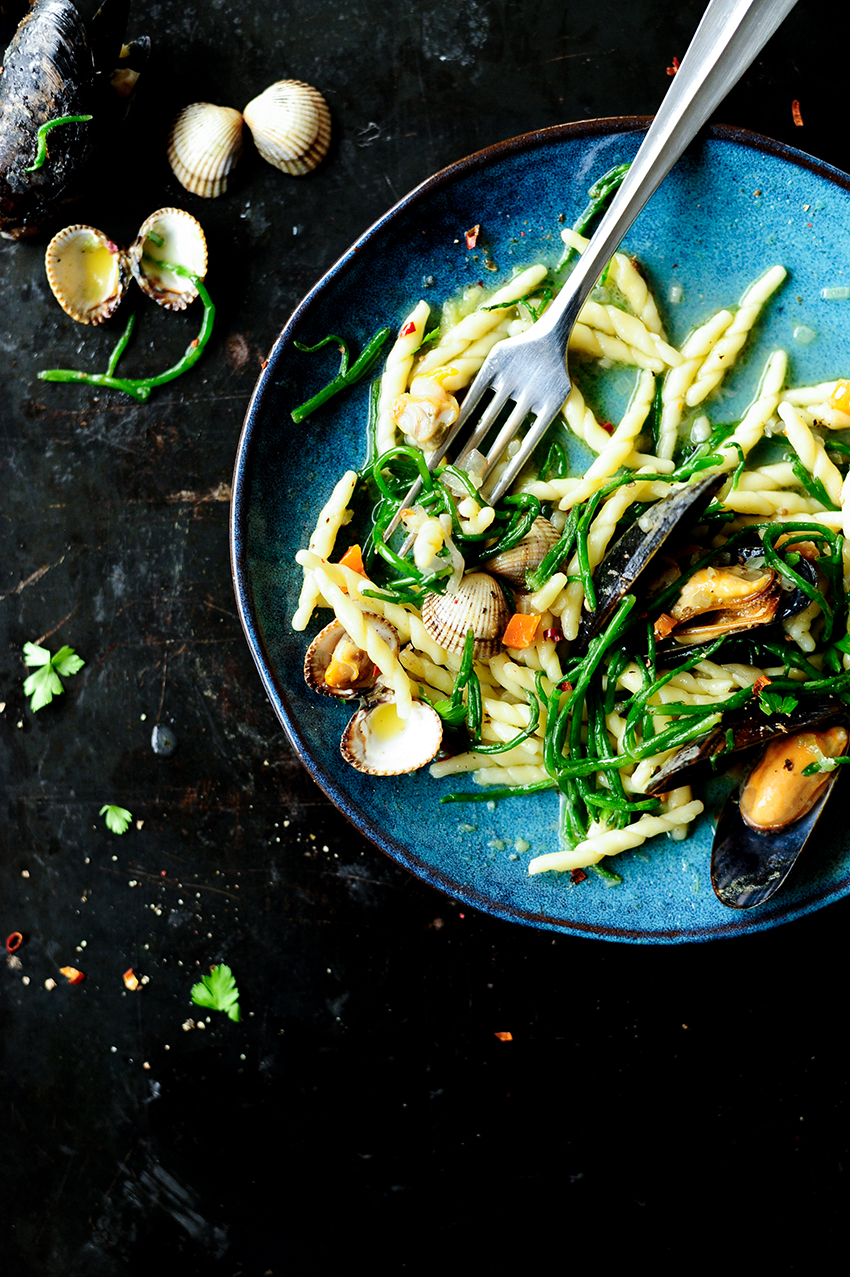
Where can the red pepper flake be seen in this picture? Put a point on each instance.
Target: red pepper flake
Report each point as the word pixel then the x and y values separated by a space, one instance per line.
pixel 566 686
pixel 472 236
pixel 577 875
pixel 671 70
pixel 131 980
pixel 409 329
pixel 72 975
pixel 504 1037
pixel 14 942
pixel 193 344
pixel 113 248
pixel 760 684
pixel 795 114
pixel 555 634
pixel 607 426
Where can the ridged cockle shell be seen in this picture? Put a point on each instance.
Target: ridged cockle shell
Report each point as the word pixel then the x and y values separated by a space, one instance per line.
pixel 291 126
pixel 478 604
pixel 204 144
pixel 87 272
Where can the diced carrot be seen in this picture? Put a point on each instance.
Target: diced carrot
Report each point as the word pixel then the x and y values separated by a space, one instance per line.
pixel 663 626
pixel 840 397
pixel 521 630
pixel 353 559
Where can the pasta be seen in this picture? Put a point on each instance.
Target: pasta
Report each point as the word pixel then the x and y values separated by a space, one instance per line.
pixel 547 708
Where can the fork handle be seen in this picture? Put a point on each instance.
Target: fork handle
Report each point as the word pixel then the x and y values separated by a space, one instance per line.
pixel 728 38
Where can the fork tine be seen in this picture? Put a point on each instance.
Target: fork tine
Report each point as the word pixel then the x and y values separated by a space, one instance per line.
pixel 487 418
pixel 535 433
pixel 507 432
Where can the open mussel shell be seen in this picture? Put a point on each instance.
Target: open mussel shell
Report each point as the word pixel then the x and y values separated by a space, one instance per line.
pixel 766 825
pixel 87 273
pixel 478 604
pixel 744 729
pixel 335 666
pixel 747 626
pixel 377 741
pixel 527 555
pixel 291 126
pixel 48 72
pixel 169 236
pixel 203 147
pixel 624 567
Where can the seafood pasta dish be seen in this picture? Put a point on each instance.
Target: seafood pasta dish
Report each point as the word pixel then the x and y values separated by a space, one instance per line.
pixel 657 598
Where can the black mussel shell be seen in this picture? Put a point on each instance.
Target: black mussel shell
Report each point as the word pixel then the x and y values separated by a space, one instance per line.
pixel 743 648
pixel 624 568
pixel 741 730
pixel 49 70
pixel 748 866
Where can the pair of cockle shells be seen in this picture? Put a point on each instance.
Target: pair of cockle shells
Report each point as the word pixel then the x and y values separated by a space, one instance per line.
pixel 89 273
pixel 290 123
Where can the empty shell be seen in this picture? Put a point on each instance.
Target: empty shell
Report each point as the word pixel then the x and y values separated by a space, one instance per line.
pixel 87 272
pixel 169 237
pixel 380 743
pixel 291 126
pixel 203 147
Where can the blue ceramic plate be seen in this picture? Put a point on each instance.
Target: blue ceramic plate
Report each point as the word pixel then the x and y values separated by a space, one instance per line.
pixel 734 205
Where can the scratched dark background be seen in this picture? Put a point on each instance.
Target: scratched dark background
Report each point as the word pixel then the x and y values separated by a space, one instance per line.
pixel 363 1117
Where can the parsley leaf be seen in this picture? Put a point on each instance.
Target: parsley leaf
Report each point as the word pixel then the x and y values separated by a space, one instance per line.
pixel 117 818
pixel 45 683
pixel 776 703
pixel 218 991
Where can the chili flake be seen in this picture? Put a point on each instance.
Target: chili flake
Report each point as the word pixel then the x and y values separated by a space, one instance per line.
pixel 131 980
pixel 671 70
pixel 760 684
pixel 72 975
pixel 795 114
pixel 504 1037
pixel 408 330
pixel 14 942
pixel 472 236
pixel 577 875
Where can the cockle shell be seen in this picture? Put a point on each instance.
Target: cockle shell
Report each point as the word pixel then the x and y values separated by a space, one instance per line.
pixel 203 147
pixel 87 272
pixel 169 235
pixel 526 555
pixel 377 741
pixel 321 652
pixel 478 604
pixel 291 126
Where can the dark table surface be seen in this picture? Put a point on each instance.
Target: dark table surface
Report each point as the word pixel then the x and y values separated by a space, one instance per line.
pixel 364 1115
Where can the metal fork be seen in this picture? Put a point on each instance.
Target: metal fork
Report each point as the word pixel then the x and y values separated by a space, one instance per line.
pixel 531 369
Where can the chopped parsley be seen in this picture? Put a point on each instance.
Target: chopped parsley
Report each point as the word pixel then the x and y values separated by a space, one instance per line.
pixel 45 682
pixel 218 991
pixel 117 818
pixel 776 703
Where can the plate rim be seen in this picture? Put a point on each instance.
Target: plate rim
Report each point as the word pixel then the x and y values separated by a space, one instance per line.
pixel 737 924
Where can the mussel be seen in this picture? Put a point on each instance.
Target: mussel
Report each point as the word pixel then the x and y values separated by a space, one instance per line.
pixel 767 822
pixel 631 560
pixel 56 67
pixel 735 595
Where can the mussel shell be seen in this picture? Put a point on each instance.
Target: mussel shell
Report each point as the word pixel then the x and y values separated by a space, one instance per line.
pixel 204 146
pixel 378 742
pixel 87 273
pixel 169 235
pixel 624 568
pixel 743 729
pixel 319 653
pixel 478 604
pixel 748 865
pixel 48 71
pixel 527 555
pixel 291 126
pixel 744 648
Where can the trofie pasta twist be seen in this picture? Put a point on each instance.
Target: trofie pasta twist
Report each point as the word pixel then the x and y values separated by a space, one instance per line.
pixel 748 608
